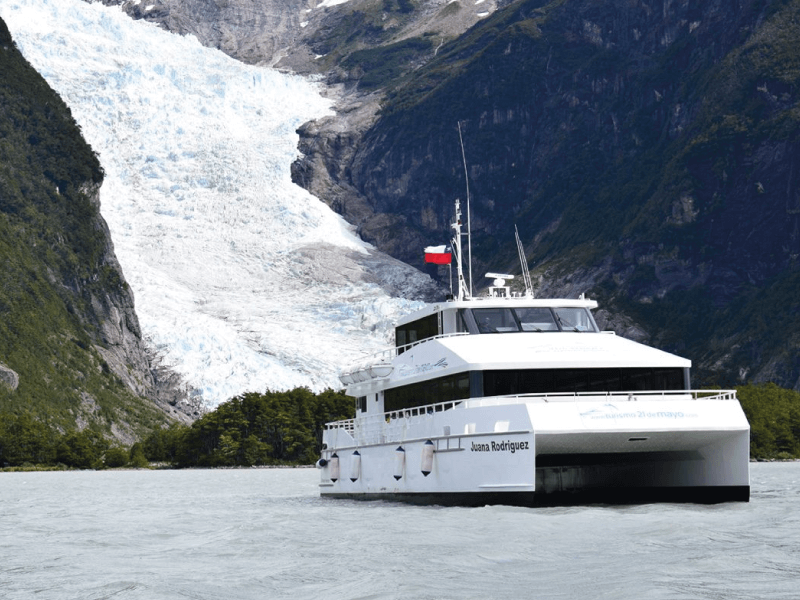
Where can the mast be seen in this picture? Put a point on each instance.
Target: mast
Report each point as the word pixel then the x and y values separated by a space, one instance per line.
pixel 469 228
pixel 456 225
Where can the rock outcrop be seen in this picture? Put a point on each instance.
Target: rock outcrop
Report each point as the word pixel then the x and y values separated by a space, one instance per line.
pixel 9 378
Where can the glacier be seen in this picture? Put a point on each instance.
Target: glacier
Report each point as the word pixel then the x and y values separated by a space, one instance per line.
pixel 242 280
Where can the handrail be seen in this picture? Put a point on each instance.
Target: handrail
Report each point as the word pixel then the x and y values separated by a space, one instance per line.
pixel 629 396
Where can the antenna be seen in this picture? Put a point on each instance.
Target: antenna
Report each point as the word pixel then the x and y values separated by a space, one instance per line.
pixel 526 274
pixel 469 228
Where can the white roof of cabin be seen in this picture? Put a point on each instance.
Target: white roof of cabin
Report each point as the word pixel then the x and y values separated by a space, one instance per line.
pixel 527 350
pixel 557 350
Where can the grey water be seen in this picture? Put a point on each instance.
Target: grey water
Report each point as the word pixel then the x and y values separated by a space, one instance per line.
pixel 266 534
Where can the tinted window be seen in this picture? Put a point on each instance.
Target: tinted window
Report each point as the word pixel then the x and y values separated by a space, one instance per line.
pixel 461 324
pixel 574 319
pixel 416 331
pixel 442 389
pixel 541 381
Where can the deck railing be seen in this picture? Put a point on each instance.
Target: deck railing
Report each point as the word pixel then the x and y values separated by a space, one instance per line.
pixel 368 422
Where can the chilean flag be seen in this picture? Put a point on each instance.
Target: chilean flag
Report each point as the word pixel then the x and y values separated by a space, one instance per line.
pixel 438 255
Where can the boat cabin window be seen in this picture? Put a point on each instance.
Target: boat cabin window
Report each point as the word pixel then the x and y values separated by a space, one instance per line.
pixel 461 323
pixel 433 391
pixel 361 404
pixel 476 384
pixel 538 381
pixel 504 320
pixel 416 331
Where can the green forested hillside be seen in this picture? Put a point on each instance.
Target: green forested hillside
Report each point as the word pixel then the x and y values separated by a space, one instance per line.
pixel 774 415
pixel 57 271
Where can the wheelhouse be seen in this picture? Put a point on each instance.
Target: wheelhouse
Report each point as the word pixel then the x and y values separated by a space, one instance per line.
pixel 495 319
pixel 518 316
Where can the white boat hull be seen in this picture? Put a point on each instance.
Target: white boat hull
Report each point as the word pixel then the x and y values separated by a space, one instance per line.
pixel 530 451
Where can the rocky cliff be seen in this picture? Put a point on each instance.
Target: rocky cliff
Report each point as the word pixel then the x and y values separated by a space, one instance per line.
pixel 70 344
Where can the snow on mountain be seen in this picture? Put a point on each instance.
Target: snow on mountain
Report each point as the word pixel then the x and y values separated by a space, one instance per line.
pixel 243 281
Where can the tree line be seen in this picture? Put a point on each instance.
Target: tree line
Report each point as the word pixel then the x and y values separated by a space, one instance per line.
pixel 273 428
pixel 285 428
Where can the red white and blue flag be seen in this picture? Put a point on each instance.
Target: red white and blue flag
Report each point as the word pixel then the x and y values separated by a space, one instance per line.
pixel 438 255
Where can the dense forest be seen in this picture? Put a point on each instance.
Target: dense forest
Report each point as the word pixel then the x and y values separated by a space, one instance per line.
pixel 285 428
pixel 273 428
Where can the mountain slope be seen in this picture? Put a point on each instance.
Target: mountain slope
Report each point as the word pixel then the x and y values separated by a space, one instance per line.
pixel 69 337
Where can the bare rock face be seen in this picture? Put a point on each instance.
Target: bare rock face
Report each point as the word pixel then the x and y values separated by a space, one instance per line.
pixel 8 377
pixel 120 341
pixel 253 31
pixel 295 34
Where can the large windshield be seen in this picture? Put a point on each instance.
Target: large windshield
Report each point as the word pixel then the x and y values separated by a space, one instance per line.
pixel 495 320
pixel 504 320
pixel 536 319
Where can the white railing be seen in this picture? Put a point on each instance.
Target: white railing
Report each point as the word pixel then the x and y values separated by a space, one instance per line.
pixel 349 425
pixel 630 396
pixel 370 423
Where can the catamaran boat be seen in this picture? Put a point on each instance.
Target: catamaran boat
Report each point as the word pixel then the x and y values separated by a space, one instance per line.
pixel 510 399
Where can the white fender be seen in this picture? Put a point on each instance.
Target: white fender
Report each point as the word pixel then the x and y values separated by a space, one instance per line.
pixel 399 462
pixel 427 458
pixel 333 465
pixel 355 466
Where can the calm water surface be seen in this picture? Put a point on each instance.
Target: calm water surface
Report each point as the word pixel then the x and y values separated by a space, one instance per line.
pixel 265 533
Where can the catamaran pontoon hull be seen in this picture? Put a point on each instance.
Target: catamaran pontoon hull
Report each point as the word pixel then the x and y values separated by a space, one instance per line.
pixel 533 450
